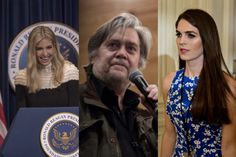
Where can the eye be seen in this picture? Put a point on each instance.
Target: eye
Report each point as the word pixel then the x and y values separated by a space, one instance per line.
pixel 112 46
pixel 38 48
pixel 49 47
pixel 131 48
pixel 178 34
pixel 190 35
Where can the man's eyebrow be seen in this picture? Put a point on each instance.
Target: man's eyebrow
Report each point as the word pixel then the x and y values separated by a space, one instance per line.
pixel 132 43
pixel 121 41
pixel 112 40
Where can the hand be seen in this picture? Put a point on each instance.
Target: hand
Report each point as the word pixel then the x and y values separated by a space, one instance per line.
pixel 153 92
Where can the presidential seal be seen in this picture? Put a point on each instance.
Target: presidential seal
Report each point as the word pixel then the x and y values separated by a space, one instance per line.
pixel 67 37
pixel 59 136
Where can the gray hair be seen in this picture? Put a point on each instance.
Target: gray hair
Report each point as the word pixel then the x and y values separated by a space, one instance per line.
pixel 123 20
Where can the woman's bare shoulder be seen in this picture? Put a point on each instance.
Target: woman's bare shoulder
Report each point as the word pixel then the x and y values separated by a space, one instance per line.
pixel 167 81
pixel 232 84
pixel 231 105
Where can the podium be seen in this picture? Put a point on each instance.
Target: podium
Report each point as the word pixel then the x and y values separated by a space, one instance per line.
pixel 24 138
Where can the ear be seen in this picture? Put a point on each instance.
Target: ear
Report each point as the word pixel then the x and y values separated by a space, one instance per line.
pixel 140 63
pixel 92 59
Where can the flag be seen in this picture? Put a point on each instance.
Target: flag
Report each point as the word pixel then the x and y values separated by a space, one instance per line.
pixel 3 124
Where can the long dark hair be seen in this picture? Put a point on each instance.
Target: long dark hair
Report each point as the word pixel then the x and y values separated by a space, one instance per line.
pixel 211 96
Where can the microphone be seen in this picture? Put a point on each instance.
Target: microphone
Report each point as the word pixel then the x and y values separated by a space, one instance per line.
pixel 137 78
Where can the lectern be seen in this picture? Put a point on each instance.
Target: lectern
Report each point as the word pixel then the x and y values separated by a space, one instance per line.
pixel 43 132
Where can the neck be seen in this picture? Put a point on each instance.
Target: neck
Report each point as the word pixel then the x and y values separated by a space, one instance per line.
pixel 45 67
pixel 120 92
pixel 192 69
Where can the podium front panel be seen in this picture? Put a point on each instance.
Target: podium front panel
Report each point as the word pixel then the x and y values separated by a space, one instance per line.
pixel 23 138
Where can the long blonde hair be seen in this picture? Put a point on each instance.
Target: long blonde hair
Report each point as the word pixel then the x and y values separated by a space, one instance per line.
pixel 33 68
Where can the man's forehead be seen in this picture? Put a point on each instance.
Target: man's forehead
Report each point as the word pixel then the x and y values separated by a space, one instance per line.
pixel 124 35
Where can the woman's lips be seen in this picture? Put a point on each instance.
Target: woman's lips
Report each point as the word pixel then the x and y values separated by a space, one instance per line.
pixel 182 50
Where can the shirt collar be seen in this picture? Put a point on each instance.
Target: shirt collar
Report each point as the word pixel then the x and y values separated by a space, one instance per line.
pixel 108 97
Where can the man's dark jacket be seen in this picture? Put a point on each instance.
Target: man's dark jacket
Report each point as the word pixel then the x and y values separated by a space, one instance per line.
pixel 98 138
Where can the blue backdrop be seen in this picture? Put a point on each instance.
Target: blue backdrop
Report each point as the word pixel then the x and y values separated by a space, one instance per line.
pixel 15 16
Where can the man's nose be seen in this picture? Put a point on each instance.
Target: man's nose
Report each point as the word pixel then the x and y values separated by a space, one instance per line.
pixel 122 53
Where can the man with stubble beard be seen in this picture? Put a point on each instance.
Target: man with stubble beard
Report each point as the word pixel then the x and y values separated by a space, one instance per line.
pixel 111 123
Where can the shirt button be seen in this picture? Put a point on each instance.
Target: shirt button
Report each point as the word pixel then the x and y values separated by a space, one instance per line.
pixel 113 140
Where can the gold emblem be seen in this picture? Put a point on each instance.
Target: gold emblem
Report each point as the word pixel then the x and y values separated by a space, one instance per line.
pixel 63 140
pixel 59 135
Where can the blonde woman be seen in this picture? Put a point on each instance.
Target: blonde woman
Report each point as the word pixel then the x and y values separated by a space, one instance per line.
pixel 48 80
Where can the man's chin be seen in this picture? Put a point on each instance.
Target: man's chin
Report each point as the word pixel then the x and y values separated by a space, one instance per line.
pixel 118 75
pixel 118 71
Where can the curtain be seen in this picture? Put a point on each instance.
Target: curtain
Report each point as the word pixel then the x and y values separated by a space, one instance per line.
pixel 15 16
